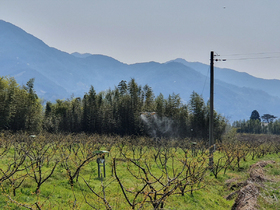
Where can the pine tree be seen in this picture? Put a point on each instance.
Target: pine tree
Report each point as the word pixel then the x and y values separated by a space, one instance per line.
pixel 198 118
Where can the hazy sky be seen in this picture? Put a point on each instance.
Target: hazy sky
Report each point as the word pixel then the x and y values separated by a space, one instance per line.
pixel 158 30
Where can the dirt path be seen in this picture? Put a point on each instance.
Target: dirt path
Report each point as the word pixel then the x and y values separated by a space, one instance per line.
pixel 248 193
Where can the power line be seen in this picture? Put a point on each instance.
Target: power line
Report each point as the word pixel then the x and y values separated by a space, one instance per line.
pixel 205 80
pixel 246 54
pixel 254 58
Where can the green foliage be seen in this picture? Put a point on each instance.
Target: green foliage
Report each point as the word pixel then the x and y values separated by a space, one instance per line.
pixel 20 108
pixel 257 127
pixel 199 119
pixel 268 118
pixel 255 115
pixel 116 111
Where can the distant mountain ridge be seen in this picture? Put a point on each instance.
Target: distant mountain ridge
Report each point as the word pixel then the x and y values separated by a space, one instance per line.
pixel 81 55
pixel 59 74
pixel 240 79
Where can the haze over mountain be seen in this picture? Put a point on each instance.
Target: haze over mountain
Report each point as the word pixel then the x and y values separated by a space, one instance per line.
pixel 240 79
pixel 58 75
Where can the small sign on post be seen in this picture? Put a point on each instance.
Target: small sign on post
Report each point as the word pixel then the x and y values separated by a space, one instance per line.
pixel 193 148
pixel 101 163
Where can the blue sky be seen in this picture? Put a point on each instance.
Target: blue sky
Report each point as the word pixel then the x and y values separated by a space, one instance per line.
pixel 246 32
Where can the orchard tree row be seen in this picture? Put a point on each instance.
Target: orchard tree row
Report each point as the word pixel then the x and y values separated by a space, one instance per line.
pixel 116 111
pixel 58 171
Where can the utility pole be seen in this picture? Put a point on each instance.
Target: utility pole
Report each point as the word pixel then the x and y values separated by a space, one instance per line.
pixel 211 127
pixel 211 116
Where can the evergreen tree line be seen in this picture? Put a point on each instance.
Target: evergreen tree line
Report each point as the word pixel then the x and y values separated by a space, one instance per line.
pixel 20 108
pixel 257 127
pixel 116 111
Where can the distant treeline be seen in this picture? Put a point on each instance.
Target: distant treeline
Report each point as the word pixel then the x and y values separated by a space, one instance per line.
pixel 116 111
pixel 257 127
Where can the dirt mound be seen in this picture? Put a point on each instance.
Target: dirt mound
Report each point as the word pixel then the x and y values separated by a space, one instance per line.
pixel 262 163
pixel 247 198
pixel 257 173
pixel 248 194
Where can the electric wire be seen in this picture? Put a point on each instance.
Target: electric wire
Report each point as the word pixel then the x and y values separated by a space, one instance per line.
pixel 243 56
pixel 205 80
pixel 253 56
pixel 257 53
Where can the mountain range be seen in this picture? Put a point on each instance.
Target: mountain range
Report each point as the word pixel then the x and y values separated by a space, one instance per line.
pixel 58 75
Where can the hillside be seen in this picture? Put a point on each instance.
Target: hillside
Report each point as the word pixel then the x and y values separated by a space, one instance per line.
pixel 240 79
pixel 59 75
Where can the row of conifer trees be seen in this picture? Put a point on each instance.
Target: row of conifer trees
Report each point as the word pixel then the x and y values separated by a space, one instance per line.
pixel 116 111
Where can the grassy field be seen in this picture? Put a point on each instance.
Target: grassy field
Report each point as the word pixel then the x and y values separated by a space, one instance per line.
pixel 60 172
